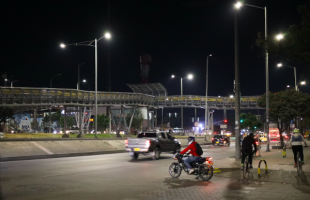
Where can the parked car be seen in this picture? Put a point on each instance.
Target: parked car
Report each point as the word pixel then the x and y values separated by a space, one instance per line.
pixel 152 143
pixel 221 140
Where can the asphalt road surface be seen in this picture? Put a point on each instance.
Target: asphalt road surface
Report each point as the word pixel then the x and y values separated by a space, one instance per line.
pixel 117 177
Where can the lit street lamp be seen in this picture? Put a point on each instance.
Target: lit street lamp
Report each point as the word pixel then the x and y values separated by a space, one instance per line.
pixel 51 79
pixel 92 43
pixel 281 65
pixel 279 36
pixel 238 5
pixel 189 76
pixel 78 84
pixel 303 83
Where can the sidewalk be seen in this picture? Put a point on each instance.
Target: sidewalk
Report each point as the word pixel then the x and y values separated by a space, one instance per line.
pixel 279 169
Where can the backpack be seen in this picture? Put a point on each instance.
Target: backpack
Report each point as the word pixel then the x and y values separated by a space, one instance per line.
pixel 198 149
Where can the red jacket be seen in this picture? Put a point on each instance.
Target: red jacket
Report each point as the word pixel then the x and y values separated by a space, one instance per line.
pixel 191 147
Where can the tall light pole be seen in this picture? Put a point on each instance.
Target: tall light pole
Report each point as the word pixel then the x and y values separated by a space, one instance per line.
pixel 13 82
pixel 238 5
pixel 78 87
pixel 92 43
pixel 190 76
pixel 281 65
pixel 206 106
pixel 51 79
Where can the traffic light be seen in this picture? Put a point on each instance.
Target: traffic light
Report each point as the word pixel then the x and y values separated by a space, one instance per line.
pixel 225 121
pixel 241 120
pixel 255 127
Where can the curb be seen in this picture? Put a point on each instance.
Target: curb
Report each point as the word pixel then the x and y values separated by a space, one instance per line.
pixel 58 155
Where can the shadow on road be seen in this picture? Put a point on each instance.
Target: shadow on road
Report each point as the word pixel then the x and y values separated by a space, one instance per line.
pixel 147 159
pixel 177 183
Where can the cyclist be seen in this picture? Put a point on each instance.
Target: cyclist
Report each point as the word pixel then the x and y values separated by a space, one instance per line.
pixel 194 157
pixel 296 142
pixel 247 149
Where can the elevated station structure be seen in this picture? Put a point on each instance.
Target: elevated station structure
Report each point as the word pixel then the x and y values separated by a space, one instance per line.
pixel 150 96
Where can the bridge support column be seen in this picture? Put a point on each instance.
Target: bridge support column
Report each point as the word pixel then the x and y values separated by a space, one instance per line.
pixel 162 117
pixel 80 119
pixel 152 120
pixel 211 122
pixel 35 122
pixel 209 125
pixel 156 117
pixel 65 120
pixel 108 113
pixel 50 122
pixel 148 118
pixel 225 117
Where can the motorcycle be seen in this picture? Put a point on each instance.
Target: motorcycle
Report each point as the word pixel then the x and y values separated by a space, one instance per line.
pixel 203 167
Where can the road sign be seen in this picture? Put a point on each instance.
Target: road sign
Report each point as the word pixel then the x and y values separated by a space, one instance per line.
pixel 223 126
pixel 196 124
pixel 292 126
pixel 168 125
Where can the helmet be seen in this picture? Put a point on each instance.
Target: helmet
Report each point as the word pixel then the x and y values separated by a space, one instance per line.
pixel 251 135
pixel 296 130
pixel 191 139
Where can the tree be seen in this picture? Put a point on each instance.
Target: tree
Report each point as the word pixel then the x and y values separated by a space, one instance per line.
pixel 70 121
pixel 296 44
pixel 285 106
pixel 5 114
pixel 55 117
pixel 249 120
pixel 137 119
pixel 103 121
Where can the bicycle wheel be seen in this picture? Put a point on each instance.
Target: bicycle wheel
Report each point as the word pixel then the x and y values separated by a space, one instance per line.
pixel 299 164
pixel 245 169
pixel 175 170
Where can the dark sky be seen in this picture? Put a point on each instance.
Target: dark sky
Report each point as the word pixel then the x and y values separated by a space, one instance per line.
pixel 178 34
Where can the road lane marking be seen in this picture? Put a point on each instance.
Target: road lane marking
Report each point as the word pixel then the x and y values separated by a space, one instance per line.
pixel 42 148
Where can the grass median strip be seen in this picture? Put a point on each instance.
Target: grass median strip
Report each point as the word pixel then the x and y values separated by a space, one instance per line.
pixel 51 135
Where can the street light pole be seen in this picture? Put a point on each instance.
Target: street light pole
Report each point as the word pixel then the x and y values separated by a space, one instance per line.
pixel 296 86
pixel 181 105
pixel 237 92
pixel 267 85
pixel 96 105
pixel 238 5
pixel 206 105
pixel 52 79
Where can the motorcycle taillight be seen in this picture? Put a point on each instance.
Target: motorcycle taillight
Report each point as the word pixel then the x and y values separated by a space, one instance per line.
pixel 126 142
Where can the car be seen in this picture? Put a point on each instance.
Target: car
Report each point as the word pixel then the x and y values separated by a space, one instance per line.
pixel 221 140
pixel 152 143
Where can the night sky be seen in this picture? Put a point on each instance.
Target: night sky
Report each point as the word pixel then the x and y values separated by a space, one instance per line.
pixel 178 34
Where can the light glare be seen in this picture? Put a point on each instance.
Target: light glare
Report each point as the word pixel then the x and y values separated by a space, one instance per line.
pixel 279 65
pixel 231 96
pixel 172 76
pixel 303 82
pixel 84 81
pixel 190 76
pixel 62 45
pixel 238 5
pixel 107 35
pixel 279 37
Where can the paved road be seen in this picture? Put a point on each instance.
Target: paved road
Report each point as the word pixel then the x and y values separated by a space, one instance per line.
pixel 116 177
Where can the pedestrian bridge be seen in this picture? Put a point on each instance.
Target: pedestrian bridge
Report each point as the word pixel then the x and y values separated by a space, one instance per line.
pixel 25 98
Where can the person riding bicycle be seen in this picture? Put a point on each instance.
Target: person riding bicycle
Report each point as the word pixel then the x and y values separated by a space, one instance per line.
pixel 296 142
pixel 192 148
pixel 247 149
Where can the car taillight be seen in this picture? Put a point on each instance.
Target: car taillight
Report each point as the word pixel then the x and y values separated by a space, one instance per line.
pixel 148 144
pixel 126 142
pixel 212 138
pixel 256 142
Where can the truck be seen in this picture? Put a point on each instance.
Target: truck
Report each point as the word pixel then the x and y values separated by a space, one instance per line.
pixel 152 143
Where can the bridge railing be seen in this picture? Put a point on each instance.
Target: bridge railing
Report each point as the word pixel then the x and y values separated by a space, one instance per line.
pixel 41 96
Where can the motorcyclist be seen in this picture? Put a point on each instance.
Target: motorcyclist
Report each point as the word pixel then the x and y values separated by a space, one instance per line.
pixel 296 142
pixel 194 157
pixel 247 149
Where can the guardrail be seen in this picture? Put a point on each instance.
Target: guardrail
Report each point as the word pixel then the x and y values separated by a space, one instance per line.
pixel 266 169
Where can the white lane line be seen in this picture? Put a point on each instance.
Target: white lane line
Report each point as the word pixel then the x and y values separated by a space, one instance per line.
pixel 42 148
